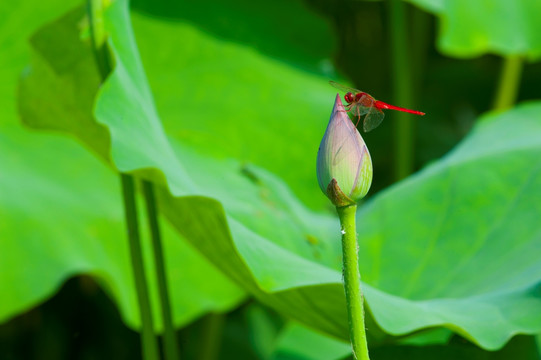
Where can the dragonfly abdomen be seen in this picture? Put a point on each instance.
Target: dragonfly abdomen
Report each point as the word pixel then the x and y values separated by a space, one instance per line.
pixel 381 105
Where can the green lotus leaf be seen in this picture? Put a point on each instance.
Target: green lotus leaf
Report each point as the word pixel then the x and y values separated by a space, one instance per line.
pixel 61 207
pixel 472 28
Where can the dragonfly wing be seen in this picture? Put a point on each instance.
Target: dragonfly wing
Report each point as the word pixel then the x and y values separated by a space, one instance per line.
pixel 343 88
pixel 358 109
pixel 373 119
pixel 364 104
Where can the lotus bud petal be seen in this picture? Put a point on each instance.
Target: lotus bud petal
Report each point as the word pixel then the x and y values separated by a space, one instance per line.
pixel 344 166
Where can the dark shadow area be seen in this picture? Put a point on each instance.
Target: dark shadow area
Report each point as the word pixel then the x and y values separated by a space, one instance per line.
pixel 519 348
pixel 79 322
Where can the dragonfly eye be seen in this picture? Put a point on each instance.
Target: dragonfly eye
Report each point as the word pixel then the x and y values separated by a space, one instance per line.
pixel 348 97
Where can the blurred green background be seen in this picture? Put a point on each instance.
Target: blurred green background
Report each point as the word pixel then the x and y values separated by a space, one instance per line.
pixel 222 105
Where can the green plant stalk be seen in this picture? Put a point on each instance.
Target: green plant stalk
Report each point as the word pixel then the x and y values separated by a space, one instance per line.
pixel 402 88
pixel 507 92
pixel 352 282
pixel 94 11
pixel 171 351
pixel 419 45
pixel 212 340
pixel 149 343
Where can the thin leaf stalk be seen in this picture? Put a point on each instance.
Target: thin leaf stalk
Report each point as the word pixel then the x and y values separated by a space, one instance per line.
pixel 211 342
pixel 509 82
pixel 419 45
pixel 170 348
pixel 402 89
pixel 352 282
pixel 149 342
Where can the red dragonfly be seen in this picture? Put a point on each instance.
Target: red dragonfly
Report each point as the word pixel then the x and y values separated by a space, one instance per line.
pixel 361 103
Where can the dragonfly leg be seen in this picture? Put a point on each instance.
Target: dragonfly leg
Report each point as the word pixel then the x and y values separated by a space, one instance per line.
pixel 358 115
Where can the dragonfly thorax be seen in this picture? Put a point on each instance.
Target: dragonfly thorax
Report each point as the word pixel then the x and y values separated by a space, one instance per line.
pixel 359 95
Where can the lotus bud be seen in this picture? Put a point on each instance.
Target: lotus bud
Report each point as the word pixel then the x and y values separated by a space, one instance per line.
pixel 344 167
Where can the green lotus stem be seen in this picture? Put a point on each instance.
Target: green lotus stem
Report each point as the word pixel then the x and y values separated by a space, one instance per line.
pixel 94 11
pixel 171 351
pixel 507 92
pixel 212 339
pixel 352 282
pixel 419 45
pixel 402 86
pixel 149 343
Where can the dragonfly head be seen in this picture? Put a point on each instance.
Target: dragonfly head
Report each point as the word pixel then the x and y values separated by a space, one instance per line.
pixel 349 98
